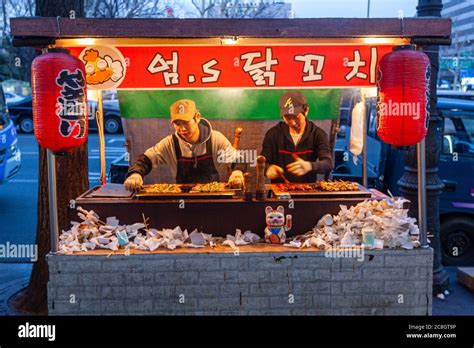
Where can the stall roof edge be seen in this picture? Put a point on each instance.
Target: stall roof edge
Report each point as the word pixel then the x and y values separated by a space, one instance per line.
pixel 26 28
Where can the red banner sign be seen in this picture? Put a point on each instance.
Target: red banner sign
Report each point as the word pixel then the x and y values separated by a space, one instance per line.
pixel 196 67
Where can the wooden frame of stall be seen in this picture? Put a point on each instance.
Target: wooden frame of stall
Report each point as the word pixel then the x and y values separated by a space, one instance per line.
pixel 43 32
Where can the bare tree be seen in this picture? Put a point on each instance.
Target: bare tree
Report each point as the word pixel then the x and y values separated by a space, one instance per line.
pixel 4 18
pixel 127 8
pixel 241 9
pixel 15 62
pixel 204 6
pixel 15 8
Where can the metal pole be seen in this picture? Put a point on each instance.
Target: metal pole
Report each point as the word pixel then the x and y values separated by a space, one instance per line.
pixel 364 142
pixel 422 216
pixel 100 131
pixel 53 202
pixel 368 8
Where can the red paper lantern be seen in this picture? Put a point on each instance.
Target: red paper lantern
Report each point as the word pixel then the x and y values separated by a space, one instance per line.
pixel 59 101
pixel 403 96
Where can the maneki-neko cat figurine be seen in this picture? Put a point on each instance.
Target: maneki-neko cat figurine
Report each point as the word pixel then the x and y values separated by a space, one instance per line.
pixel 275 232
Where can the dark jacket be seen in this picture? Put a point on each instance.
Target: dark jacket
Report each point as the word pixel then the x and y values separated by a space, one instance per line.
pixel 278 148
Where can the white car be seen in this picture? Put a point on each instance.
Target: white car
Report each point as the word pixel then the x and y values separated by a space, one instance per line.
pixel 12 97
pixel 467 83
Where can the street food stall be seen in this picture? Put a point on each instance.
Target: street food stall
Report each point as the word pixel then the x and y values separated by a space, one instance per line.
pixel 348 249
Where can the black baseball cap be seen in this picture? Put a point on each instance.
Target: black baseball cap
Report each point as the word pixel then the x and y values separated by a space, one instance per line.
pixel 292 103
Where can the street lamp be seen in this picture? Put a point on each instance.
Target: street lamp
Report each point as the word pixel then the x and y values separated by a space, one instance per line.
pixel 409 181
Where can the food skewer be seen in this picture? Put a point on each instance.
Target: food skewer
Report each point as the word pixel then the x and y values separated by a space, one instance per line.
pixel 283 177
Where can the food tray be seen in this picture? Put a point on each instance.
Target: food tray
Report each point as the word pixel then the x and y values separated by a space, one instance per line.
pixel 187 193
pixel 277 193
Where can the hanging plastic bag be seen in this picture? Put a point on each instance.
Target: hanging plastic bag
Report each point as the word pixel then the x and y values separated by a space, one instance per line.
pixel 356 142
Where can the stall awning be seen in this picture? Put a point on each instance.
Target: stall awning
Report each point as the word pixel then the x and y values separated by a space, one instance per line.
pixel 28 30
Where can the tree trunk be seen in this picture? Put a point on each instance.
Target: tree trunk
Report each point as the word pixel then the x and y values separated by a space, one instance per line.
pixel 72 180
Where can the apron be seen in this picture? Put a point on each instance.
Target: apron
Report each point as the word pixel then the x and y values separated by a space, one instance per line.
pixel 194 170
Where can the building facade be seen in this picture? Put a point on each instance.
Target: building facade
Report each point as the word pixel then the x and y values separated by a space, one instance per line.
pixel 457 60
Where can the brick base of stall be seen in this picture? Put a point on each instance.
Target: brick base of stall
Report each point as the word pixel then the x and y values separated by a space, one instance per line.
pixel 259 280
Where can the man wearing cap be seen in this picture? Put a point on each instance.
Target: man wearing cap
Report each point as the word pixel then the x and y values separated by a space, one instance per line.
pixel 190 152
pixel 296 148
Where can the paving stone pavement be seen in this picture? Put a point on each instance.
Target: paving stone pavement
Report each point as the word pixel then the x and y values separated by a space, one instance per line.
pixel 459 302
pixel 13 277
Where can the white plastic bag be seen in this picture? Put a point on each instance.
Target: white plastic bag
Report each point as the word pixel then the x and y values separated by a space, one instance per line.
pixel 357 129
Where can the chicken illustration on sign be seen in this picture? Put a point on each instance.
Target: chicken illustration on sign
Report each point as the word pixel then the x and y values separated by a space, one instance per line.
pixel 105 67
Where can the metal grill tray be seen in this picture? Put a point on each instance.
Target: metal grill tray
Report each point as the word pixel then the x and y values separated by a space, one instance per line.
pixel 227 193
pixel 361 193
pixel 109 191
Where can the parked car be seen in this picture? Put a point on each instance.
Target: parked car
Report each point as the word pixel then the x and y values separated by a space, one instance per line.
pixel 456 94
pixel 444 84
pixel 467 84
pixel 10 155
pixel 22 115
pixel 456 170
pixel 110 96
pixel 112 116
pixel 12 97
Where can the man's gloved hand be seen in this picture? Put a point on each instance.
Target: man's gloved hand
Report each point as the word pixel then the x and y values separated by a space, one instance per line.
pixel 299 167
pixel 236 179
pixel 133 182
pixel 272 172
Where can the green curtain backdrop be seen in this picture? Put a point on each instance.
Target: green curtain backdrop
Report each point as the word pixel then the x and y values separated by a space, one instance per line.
pixel 242 104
